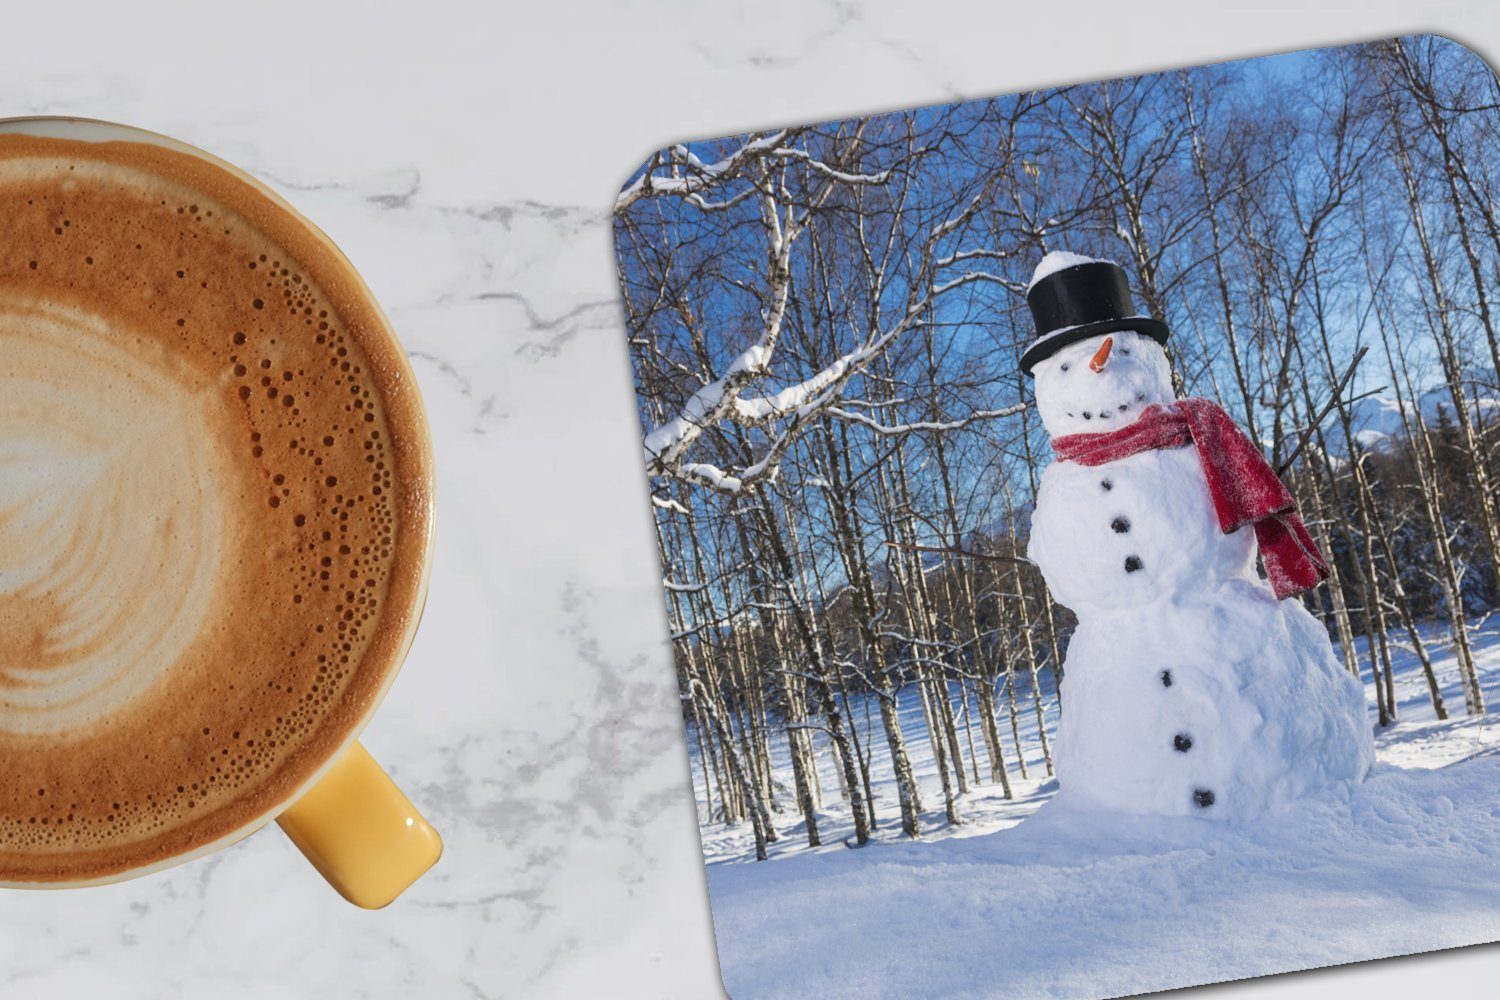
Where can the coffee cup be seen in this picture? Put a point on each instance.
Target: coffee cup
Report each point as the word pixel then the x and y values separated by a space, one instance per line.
pixel 215 521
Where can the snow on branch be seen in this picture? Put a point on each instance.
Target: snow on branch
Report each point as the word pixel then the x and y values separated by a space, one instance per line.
pixel 677 171
pixel 797 405
pixel 818 166
pixel 709 404
pixel 788 401
pixel 922 425
pixel 711 476
pixel 978 253
pixel 687 176
pixel 667 503
pixel 783 414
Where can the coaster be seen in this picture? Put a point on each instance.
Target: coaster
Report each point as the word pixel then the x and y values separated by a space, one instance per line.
pixel 1079 527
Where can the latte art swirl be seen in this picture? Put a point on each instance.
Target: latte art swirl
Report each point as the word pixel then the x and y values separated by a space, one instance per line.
pixel 97 611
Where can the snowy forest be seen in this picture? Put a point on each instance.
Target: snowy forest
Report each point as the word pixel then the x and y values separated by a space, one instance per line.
pixel 825 324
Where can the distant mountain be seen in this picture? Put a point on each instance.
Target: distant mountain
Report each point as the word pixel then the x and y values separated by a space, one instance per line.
pixel 1377 419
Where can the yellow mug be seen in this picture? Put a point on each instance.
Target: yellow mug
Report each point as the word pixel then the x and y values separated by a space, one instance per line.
pixel 349 819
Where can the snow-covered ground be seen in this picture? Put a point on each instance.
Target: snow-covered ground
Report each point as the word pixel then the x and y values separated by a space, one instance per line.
pixel 1070 904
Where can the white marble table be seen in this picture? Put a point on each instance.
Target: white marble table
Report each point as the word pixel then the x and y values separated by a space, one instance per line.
pixel 463 155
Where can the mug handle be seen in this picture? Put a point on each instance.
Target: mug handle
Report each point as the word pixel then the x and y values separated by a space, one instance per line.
pixel 360 832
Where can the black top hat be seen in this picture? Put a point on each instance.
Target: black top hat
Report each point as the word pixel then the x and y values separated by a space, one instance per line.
pixel 1079 302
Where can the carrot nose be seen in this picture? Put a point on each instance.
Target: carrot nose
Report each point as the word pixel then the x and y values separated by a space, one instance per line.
pixel 1101 357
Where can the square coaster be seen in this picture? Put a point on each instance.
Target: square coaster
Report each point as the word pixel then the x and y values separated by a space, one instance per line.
pixel 1078 525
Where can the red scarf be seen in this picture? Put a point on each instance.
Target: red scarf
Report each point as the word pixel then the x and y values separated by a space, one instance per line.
pixel 1243 486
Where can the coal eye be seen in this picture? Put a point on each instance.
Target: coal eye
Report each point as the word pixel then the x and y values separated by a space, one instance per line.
pixel 1064 366
pixel 1124 350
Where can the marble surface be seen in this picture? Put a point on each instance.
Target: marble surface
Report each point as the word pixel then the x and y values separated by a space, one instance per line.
pixel 463 155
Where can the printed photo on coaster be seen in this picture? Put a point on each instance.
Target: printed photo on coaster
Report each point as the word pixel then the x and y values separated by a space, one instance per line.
pixel 1078 525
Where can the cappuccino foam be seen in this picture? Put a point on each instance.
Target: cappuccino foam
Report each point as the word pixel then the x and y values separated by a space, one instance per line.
pixel 213 506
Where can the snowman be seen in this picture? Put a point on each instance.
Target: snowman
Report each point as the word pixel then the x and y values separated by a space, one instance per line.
pixel 1192 685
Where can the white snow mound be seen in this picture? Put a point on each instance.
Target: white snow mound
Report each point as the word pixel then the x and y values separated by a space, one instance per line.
pixel 1076 903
